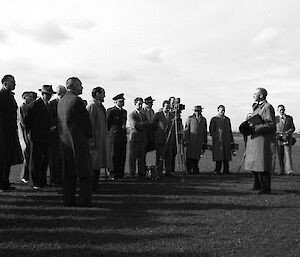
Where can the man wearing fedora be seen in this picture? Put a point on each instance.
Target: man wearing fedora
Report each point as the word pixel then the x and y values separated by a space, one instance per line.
pixel 38 124
pixel 149 112
pixel 195 139
pixel 116 124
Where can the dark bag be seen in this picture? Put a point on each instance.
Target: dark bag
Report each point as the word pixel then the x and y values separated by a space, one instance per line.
pixel 293 140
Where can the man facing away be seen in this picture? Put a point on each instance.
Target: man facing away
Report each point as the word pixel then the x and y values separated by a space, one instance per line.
pixel 138 139
pixel 99 142
pixel 74 128
pixel 116 124
pixel 55 157
pixel 28 97
pixel 221 133
pixel 260 144
pixel 10 149
pixel 196 139
pixel 284 130
pixel 38 124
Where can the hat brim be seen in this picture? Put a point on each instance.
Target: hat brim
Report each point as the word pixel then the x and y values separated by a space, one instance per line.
pixel 48 92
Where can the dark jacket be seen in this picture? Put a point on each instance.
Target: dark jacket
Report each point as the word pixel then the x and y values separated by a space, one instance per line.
pixel 74 128
pixel 38 121
pixel 116 124
pixel 10 149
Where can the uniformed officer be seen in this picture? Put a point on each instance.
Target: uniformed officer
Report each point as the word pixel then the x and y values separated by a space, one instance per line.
pixel 116 124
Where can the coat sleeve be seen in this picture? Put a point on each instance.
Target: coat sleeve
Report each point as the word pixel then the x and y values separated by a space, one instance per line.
pixel 91 108
pixel 212 128
pixel 205 132
pixel 83 119
pixel 291 128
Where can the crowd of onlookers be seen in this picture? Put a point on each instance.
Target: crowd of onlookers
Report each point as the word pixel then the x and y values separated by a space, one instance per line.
pixel 76 139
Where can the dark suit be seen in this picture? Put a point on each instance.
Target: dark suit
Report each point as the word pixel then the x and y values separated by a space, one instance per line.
pixel 38 124
pixel 138 140
pixel 74 128
pixel 284 149
pixel 10 149
pixel 116 124
pixel 164 141
pixel 55 157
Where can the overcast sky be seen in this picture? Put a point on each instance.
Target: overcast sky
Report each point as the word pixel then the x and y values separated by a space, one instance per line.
pixel 206 52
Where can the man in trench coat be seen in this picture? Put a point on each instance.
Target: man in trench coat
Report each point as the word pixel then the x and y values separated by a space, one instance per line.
pixel 10 149
pixel 196 139
pixel 221 133
pixel 260 144
pixel 99 143
pixel 74 128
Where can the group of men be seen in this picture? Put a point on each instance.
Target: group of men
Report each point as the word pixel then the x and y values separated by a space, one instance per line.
pixel 75 140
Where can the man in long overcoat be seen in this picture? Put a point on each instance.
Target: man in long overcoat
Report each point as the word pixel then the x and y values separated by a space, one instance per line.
pixel 221 133
pixel 138 138
pixel 55 157
pixel 260 144
pixel 28 97
pixel 38 124
pixel 196 139
pixel 116 123
pixel 74 128
pixel 99 143
pixel 10 149
pixel 284 130
pixel 165 139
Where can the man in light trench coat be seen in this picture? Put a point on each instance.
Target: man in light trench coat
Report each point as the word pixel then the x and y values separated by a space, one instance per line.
pixel 196 139
pixel 260 144
pixel 99 143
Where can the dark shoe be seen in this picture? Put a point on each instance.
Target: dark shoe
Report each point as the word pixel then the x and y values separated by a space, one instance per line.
pixel 255 188
pixel 10 188
pixel 264 192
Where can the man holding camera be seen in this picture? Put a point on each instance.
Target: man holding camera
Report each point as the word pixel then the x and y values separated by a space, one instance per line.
pixel 260 143
pixel 284 130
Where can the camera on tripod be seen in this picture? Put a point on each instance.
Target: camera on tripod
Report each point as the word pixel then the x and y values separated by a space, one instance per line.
pixel 176 106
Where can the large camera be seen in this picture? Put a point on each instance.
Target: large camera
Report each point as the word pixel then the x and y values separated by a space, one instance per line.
pixel 176 106
pixel 282 138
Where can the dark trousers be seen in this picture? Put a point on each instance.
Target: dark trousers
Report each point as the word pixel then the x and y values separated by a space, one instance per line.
pixel 4 175
pixel 39 160
pixel 219 167
pixel 96 176
pixel 192 166
pixel 25 167
pixel 165 154
pixel 137 153
pixel 118 150
pixel 262 181
pixel 69 191
pixel 55 161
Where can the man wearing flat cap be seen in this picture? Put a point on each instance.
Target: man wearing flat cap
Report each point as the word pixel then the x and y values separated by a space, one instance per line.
pixel 38 123
pixel 116 124
pixel 149 112
pixel 195 139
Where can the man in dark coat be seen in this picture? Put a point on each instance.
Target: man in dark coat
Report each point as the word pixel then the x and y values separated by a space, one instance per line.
pixel 284 130
pixel 116 124
pixel 38 124
pixel 260 144
pixel 138 139
pixel 221 133
pixel 55 157
pixel 74 128
pixel 28 97
pixel 10 149
pixel 165 139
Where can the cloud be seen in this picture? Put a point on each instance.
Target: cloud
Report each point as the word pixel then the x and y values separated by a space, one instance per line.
pixel 3 37
pixel 48 33
pixel 267 37
pixel 83 23
pixel 122 76
pixel 152 54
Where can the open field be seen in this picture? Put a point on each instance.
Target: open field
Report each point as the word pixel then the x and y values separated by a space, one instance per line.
pixel 202 215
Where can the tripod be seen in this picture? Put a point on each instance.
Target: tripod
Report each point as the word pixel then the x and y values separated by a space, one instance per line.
pixel 177 128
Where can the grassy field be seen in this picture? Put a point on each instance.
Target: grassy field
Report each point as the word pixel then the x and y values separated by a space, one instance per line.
pixel 204 215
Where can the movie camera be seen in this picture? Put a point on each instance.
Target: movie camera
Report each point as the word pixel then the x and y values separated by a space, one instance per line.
pixel 176 106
